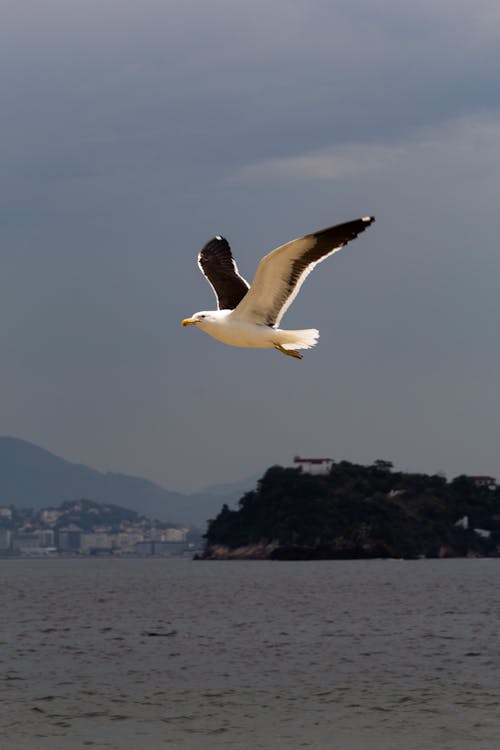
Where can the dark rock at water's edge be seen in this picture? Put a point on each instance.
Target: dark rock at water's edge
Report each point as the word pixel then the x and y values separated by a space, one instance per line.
pixel 327 552
pixel 292 552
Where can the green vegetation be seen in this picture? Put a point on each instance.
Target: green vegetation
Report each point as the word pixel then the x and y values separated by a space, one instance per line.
pixel 359 511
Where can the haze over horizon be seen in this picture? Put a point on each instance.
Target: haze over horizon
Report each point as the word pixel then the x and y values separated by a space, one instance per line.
pixel 133 133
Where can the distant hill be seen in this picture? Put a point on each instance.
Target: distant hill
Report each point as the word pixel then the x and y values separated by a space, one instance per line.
pixel 31 476
pixel 359 511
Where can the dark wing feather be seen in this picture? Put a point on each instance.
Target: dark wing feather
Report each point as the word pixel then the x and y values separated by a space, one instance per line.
pixel 281 272
pixel 217 265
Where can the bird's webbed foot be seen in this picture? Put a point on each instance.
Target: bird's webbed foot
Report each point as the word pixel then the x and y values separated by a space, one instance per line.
pixel 289 352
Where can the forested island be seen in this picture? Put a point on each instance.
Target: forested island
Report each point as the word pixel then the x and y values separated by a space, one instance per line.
pixel 356 511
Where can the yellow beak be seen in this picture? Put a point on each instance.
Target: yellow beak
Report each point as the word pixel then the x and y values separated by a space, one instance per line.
pixel 188 322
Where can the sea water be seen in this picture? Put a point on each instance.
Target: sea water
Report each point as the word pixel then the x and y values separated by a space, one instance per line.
pixel 144 654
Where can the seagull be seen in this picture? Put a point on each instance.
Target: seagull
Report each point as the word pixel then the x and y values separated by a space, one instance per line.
pixel 249 316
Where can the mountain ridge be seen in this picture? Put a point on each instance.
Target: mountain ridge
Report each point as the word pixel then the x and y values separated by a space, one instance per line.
pixel 32 476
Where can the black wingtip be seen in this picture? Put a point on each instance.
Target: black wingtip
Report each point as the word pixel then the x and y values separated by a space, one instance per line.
pixel 215 243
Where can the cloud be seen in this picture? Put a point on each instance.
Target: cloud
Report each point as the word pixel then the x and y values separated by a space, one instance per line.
pixel 224 84
pixel 461 140
pixel 339 162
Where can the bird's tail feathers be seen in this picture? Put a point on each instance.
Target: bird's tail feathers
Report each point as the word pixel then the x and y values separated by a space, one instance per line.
pixel 304 339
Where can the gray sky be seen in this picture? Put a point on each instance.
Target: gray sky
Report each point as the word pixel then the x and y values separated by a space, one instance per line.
pixel 131 133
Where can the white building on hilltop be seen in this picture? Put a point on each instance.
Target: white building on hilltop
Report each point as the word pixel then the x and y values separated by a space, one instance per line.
pixel 314 465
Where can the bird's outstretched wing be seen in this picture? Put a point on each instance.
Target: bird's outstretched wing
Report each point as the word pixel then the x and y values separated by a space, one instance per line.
pixel 281 273
pixel 217 264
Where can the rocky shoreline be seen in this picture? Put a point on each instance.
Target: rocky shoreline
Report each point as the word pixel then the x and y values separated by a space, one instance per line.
pixel 275 551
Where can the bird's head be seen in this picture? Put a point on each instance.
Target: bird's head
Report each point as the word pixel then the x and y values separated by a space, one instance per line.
pixel 204 319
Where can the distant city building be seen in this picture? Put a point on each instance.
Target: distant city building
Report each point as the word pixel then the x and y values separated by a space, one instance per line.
pixel 314 465
pixel 5 512
pixel 395 493
pixel 145 547
pixel 50 517
pixel 45 538
pixel 69 540
pixel 485 481
pixel 22 541
pixel 93 543
pixel 126 541
pixel 175 535
pixel 5 539
pixel 163 549
pixel 464 524
pixel 485 533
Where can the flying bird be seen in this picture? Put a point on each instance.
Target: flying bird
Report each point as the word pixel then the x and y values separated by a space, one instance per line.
pixel 249 316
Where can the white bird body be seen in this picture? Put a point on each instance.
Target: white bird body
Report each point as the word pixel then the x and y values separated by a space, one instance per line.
pixel 248 316
pixel 226 326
